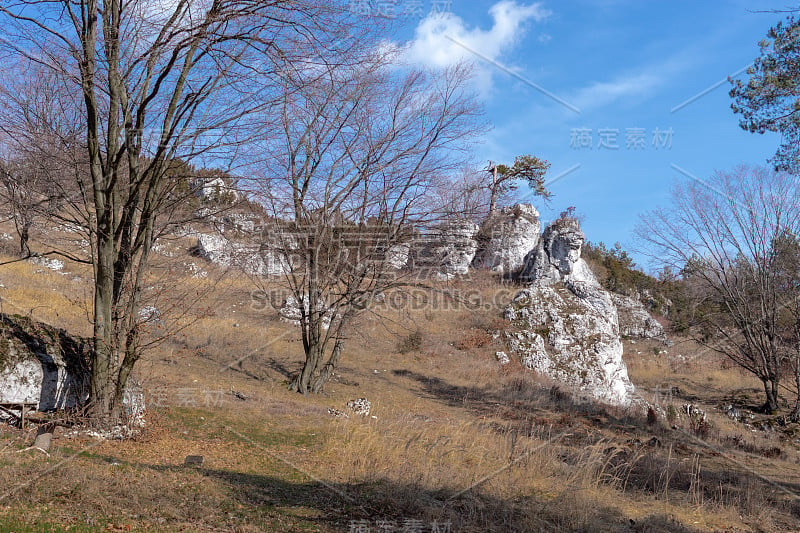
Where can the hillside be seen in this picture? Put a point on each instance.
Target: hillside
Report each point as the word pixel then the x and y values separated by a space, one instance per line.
pixel 454 441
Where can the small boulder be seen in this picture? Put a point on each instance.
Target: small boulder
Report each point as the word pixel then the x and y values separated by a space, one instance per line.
pixel 360 406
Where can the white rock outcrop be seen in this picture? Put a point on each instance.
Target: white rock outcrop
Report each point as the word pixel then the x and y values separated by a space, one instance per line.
pixel 565 325
pixel 506 237
pixel 56 265
pixel 290 312
pixel 254 260
pixel 635 321
pixel 447 250
pixel 43 365
pixel 215 190
pixel 397 255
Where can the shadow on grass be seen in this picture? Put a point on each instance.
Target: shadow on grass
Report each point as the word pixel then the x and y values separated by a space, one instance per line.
pixel 523 403
pixel 643 455
pixel 343 506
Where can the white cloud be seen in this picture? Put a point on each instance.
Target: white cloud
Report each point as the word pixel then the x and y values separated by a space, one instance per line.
pixel 441 41
pixel 633 85
pixel 599 94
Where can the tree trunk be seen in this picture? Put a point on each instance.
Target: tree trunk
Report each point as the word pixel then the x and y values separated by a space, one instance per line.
pixel 493 192
pixel 102 377
pixel 302 382
pixel 311 324
pixel 24 238
pixel 795 416
pixel 327 371
pixel 771 391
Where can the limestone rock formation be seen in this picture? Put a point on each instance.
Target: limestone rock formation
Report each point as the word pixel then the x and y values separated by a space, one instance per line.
pixel 447 250
pixel 565 325
pixel 506 237
pixel 635 321
pixel 41 364
pixel 290 312
pixel 254 260
pixel 45 366
pixel 397 255
pixel 557 255
pixel 215 190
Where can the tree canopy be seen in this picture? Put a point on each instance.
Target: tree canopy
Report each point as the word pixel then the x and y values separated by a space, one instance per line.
pixel 507 177
pixel 770 99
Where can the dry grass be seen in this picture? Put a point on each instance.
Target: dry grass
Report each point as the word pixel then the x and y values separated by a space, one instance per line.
pixel 452 437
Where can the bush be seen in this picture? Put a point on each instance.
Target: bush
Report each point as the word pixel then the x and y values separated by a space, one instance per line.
pixel 411 342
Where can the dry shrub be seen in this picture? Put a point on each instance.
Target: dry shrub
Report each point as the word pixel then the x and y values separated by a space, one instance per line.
pixel 411 342
pixel 475 338
pixel 770 452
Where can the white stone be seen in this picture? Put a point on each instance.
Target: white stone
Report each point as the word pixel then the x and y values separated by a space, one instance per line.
pixel 239 222
pixel 150 314
pixel 290 312
pixel 360 406
pixel 506 237
pixel 263 260
pixel 397 255
pixel 635 321
pixel 195 270
pixel 44 366
pixel 53 264
pixel 216 190
pixel 565 324
pixel 447 250
pixel 502 358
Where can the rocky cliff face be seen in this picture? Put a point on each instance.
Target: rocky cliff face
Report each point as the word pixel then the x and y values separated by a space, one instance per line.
pixel 448 250
pixel 252 259
pixel 635 321
pixel 506 237
pixel 565 325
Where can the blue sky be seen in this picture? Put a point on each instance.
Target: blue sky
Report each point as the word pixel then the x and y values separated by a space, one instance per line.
pixel 625 65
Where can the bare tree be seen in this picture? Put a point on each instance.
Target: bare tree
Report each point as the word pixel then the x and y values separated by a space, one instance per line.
pixel 463 195
pixel 722 234
pixel 39 134
pixel 19 184
pixel 359 151
pixel 158 81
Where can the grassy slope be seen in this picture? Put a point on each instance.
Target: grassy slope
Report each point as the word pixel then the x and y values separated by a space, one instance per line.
pixel 455 437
